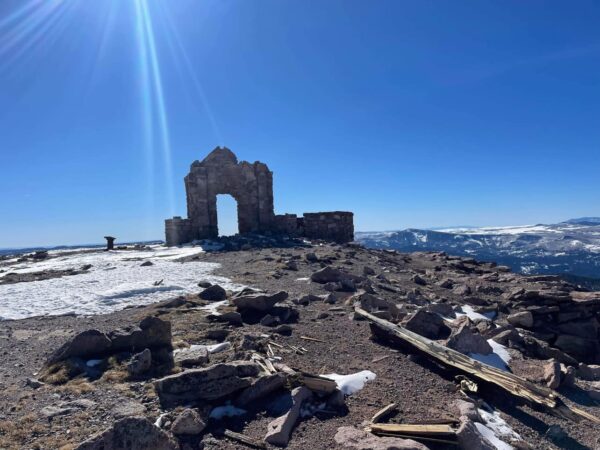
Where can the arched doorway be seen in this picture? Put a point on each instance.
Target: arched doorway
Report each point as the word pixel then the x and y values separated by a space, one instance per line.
pixel 227 215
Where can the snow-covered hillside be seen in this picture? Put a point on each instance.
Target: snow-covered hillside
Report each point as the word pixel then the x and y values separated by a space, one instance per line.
pixel 571 247
pixel 113 280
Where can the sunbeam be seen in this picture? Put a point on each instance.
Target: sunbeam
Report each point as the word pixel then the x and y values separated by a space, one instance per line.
pixel 15 15
pixel 155 88
pixel 175 44
pixel 34 26
pixel 147 107
pixel 40 26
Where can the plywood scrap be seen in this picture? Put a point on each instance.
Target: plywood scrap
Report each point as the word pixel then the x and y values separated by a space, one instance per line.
pixel 511 383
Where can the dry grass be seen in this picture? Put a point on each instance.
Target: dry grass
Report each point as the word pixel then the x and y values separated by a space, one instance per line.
pixel 77 386
pixel 16 433
pixel 56 374
pixel 115 375
pixel 61 372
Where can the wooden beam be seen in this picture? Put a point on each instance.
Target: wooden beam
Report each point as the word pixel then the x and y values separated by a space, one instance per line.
pixel 384 412
pixel 244 439
pixel 509 382
pixel 442 431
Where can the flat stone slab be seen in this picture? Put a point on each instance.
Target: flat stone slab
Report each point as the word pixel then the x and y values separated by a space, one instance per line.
pixel 210 383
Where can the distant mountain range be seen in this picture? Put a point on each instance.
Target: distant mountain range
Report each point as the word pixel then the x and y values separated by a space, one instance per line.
pixel 570 248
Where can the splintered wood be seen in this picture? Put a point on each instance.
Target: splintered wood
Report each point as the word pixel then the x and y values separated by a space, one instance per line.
pixel 383 413
pixel 509 382
pixel 441 433
pixel 244 439
pixel 317 383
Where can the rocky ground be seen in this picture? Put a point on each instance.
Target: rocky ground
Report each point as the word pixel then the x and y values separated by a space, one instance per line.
pixel 90 382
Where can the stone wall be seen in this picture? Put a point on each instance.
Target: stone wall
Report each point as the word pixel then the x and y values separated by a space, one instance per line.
pixel 337 226
pixel 179 231
pixel 288 224
pixel 251 185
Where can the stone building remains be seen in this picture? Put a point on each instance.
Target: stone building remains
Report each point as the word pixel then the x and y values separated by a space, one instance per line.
pixel 251 185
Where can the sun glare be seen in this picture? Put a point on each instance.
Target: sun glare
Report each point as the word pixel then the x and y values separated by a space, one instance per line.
pixel 34 26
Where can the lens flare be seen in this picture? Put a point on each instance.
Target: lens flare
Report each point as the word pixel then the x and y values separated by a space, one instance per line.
pixel 34 24
pixel 152 79
pixel 38 24
pixel 176 46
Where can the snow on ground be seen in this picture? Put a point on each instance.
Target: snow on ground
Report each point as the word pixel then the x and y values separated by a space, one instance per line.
pixel 498 359
pixel 227 410
pixel 352 383
pixel 115 280
pixel 496 430
pixel 502 230
pixel 468 311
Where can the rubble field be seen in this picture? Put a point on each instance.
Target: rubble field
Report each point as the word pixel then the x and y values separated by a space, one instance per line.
pixel 318 346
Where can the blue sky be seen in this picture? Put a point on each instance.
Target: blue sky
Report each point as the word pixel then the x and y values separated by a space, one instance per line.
pixel 409 113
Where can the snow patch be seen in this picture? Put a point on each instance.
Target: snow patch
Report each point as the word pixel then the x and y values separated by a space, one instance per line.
pixel 352 383
pixel 498 359
pixel 226 411
pixel 473 315
pixel 496 430
pixel 492 438
pixel 114 281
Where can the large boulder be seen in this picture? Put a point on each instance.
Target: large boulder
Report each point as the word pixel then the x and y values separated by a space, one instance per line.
pixel 469 437
pixel 327 275
pixel 131 433
pixel 188 423
pixel 352 437
pixel 581 348
pixel 523 319
pixel 210 383
pixel 213 293
pixel 552 374
pixel 588 372
pixel 151 333
pixel 427 324
pixel 84 345
pixel 140 363
pixel 259 302
pixel 466 341
pixel 195 355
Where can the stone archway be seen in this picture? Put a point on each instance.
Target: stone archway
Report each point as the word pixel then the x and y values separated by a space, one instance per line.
pixel 227 215
pixel 251 185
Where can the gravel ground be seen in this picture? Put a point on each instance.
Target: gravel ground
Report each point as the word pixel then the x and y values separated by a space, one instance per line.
pixel 421 389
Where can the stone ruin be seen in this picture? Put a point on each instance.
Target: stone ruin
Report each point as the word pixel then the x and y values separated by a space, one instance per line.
pixel 251 185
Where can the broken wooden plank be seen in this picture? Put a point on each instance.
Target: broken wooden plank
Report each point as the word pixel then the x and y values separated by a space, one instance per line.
pixel 439 430
pixel 308 338
pixel 509 382
pixel 244 439
pixel 383 412
pixel 381 358
pixel 317 383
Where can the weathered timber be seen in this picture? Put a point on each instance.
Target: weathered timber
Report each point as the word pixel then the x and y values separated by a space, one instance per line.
pixel 509 382
pixel 244 439
pixel 384 412
pixel 440 433
pixel 440 430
